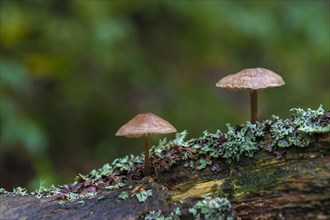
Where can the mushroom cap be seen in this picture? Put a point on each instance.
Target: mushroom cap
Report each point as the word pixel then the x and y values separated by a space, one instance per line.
pixel 145 124
pixel 254 78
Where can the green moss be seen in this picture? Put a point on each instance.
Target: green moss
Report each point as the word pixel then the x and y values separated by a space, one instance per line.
pixel 259 180
pixel 228 187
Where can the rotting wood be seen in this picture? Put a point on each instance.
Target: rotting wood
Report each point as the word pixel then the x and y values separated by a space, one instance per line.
pixel 262 187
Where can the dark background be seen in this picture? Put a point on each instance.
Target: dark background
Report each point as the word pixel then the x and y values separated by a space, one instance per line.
pixel 72 72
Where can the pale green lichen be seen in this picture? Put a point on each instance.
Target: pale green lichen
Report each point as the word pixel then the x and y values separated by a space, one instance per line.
pixel 157 215
pixel 39 193
pixel 73 197
pixel 20 191
pixel 123 195
pixel 311 124
pixel 103 171
pixel 43 192
pixel 2 191
pixel 81 177
pixel 118 165
pixel 241 141
pixel 144 195
pixel 298 130
pixel 285 133
pixel 203 163
pixel 189 163
pixel 314 129
pixel 53 190
pixel 247 139
pixel 180 139
pixel 117 186
pixel 212 208
pixel 126 163
pixel 81 202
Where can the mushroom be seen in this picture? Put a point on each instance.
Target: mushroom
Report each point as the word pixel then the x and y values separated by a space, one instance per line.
pixel 253 79
pixel 145 124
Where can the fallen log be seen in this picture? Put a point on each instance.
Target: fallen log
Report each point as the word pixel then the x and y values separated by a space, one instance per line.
pixel 196 180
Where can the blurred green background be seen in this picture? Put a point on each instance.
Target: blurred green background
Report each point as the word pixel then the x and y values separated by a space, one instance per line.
pixel 72 72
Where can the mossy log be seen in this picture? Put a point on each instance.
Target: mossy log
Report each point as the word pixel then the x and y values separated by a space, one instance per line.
pixel 296 185
pixel 276 169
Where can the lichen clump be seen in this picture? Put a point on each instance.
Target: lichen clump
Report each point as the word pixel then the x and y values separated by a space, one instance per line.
pixel 157 215
pixel 144 195
pixel 212 208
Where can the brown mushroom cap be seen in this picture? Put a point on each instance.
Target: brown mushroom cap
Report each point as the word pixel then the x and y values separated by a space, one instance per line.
pixel 144 124
pixel 255 79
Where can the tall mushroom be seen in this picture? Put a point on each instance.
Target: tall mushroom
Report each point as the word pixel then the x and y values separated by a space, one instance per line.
pixel 145 124
pixel 254 79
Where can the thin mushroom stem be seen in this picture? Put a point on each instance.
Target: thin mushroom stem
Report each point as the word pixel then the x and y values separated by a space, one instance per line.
pixel 254 105
pixel 146 156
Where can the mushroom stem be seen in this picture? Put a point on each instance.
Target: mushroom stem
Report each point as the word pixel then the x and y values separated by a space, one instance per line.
pixel 254 105
pixel 146 156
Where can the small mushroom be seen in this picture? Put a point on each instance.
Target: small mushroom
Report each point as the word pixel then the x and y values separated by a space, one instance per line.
pixel 254 79
pixel 145 124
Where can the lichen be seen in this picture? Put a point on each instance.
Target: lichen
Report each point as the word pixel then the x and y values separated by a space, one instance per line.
pixel 20 191
pixel 118 165
pixel 212 208
pixel 72 197
pixel 144 195
pixel 2 191
pixel 203 163
pixel 157 215
pixel 298 130
pixel 117 186
pixel 123 195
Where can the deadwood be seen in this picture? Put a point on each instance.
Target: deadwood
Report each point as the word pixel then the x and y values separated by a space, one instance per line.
pixel 288 184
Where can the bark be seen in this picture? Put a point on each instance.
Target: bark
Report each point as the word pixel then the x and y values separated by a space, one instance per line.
pixel 293 183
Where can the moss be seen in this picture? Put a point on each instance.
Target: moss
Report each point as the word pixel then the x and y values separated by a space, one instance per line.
pixel 228 187
pixel 258 181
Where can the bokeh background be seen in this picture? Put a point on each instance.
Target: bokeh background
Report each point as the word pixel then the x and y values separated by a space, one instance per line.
pixel 72 72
